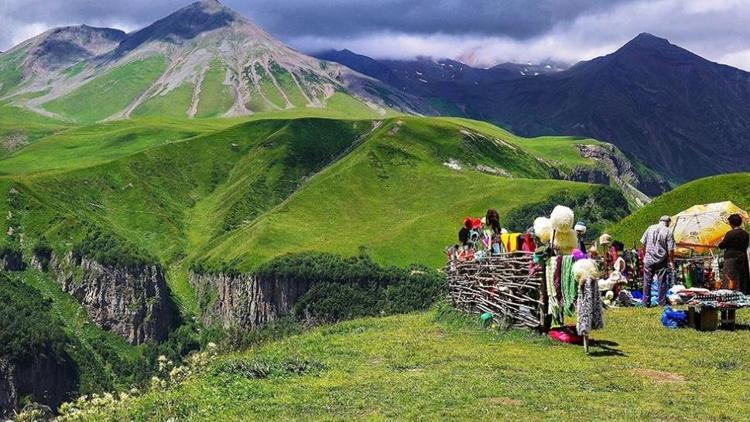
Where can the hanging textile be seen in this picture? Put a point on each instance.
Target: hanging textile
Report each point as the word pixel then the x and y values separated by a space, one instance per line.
pixel 505 239
pixel 528 243
pixel 589 308
pixel 558 280
pixel 512 241
pixel 569 285
pixel 553 307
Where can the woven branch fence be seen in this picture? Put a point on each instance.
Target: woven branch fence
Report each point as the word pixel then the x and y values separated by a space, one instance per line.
pixel 504 286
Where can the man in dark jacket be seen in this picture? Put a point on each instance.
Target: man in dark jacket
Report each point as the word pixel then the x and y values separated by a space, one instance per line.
pixel 735 245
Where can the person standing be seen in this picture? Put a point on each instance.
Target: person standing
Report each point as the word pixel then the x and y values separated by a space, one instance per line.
pixel 658 242
pixel 580 229
pixel 735 245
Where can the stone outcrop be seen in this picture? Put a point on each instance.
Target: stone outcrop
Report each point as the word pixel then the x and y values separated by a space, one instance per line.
pixel 44 380
pixel 133 303
pixel 245 301
pixel 613 167
pixel 11 261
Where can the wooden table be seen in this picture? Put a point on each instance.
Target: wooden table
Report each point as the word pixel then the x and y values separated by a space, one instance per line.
pixel 709 319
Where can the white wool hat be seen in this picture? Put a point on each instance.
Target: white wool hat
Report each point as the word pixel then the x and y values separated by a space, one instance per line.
pixel 562 218
pixel 585 269
pixel 543 229
pixel 566 241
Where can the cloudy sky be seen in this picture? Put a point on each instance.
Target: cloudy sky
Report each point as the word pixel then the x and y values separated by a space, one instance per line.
pixel 479 32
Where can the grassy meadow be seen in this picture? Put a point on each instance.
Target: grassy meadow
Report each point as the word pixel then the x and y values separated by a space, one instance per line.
pixel 438 365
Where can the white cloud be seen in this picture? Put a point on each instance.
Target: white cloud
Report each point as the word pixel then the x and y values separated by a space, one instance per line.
pixel 715 29
pixel 718 31
pixel 25 31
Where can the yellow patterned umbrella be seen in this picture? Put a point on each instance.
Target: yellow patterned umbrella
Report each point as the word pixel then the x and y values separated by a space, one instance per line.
pixel 702 227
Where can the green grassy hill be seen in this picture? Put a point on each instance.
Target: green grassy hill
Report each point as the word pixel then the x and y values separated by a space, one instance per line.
pixel 730 187
pixel 238 194
pixel 231 194
pixel 440 366
pixel 395 196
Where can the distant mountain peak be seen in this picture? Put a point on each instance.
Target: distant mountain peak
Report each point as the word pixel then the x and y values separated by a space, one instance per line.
pixel 646 41
pixel 185 24
pixel 61 47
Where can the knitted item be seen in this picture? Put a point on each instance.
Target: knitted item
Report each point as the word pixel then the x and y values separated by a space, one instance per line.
pixel 569 285
pixel 553 307
pixel 589 308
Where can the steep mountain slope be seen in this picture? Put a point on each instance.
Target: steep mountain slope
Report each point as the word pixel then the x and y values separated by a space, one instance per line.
pixel 203 60
pixel 729 187
pixel 399 196
pixel 177 198
pixel 680 114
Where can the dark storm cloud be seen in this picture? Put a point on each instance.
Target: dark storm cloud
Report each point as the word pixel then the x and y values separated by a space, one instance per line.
pixel 320 18
pixel 513 18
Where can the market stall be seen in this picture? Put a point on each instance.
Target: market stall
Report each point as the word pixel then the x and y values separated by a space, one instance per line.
pixel 700 284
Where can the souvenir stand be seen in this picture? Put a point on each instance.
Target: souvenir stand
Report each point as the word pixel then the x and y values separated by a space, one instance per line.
pixel 711 298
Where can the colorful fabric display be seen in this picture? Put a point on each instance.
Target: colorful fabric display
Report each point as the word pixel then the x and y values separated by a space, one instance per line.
pixel 569 285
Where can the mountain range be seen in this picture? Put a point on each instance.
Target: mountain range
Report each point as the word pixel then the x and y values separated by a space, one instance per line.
pixel 680 114
pixel 675 112
pixel 204 60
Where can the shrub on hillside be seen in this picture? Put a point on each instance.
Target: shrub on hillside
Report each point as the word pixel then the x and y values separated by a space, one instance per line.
pixel 597 208
pixel 344 288
pixel 109 249
pixel 27 328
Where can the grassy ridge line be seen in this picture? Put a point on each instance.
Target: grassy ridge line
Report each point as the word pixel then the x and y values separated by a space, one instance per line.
pixel 97 144
pixel 391 195
pixel 25 127
pixel 560 150
pixel 156 220
pixel 729 187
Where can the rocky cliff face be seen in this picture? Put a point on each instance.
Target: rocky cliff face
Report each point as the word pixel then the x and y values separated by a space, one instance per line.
pixel 614 167
pixel 44 380
pixel 245 301
pixel 133 303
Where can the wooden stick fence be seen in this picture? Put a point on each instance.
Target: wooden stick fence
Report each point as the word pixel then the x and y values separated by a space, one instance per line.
pixel 510 287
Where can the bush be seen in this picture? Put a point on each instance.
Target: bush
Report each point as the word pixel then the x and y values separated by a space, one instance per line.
pixel 344 288
pixel 111 250
pixel 598 208
pixel 27 328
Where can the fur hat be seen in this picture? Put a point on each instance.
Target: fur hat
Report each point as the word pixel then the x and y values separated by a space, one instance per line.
pixel 585 269
pixel 543 229
pixel 566 241
pixel 562 218
pixel 605 239
pixel 580 227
